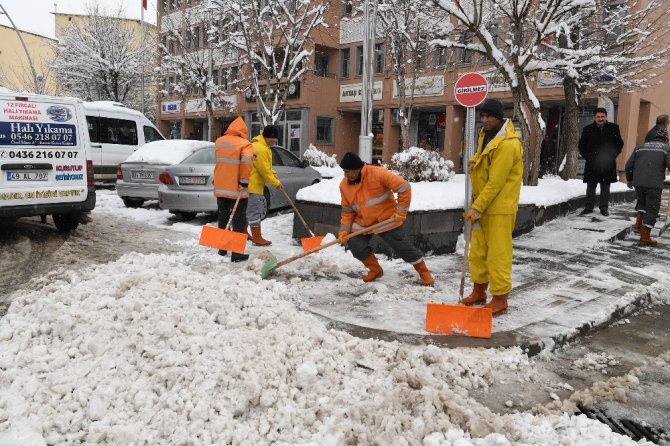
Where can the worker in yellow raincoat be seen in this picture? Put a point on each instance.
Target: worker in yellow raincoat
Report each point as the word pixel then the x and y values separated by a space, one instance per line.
pixel 496 171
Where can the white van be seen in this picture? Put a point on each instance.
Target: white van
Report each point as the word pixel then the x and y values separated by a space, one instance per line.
pixel 45 159
pixel 115 132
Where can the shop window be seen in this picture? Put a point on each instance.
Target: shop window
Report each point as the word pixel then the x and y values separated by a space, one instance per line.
pixel 345 62
pixel 325 130
pixel 359 60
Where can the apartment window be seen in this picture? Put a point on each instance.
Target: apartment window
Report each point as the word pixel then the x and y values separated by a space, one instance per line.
pixel 224 78
pixel 345 62
pixel 346 7
pixel 495 31
pixel 196 38
pixel 233 78
pixel 422 53
pixel 164 6
pixel 178 3
pixel 321 64
pixel 463 56
pixel 440 57
pixel 215 77
pixel 379 58
pixel 614 11
pixel 359 60
pixel 172 5
pixel 325 130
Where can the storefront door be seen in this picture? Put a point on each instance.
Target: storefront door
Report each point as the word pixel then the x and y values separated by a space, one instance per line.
pixel 294 137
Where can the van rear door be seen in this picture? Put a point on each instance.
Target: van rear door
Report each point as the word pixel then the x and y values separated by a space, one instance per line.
pixel 42 152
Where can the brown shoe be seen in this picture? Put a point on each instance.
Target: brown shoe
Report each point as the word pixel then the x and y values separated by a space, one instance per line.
pixel 424 274
pixel 375 270
pixel 498 304
pixel 478 295
pixel 638 222
pixel 256 237
pixel 645 237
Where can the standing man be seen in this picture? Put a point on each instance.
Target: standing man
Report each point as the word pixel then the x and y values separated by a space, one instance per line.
pixel 368 198
pixel 661 124
pixel 496 172
pixel 234 161
pixel 262 174
pixel 599 145
pixel 645 170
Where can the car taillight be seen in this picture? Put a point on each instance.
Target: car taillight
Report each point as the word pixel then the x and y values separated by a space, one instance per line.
pixel 165 178
pixel 119 172
pixel 90 180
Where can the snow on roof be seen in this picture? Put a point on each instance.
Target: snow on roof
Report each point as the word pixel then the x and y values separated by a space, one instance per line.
pixel 169 151
pixel 428 196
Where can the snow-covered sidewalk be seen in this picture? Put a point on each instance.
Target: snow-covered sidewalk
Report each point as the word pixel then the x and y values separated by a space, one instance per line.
pixel 191 349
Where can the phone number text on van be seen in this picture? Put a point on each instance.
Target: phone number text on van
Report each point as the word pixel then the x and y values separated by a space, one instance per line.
pixel 38 154
pixel 24 134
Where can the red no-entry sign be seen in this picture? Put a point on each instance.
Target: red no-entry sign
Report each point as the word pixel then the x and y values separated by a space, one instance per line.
pixel 471 89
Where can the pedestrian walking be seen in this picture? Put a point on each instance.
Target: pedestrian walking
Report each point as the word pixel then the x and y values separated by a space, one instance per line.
pixel 599 145
pixel 234 162
pixel 261 175
pixel 368 198
pixel 661 124
pixel 645 171
pixel 175 133
pixel 496 172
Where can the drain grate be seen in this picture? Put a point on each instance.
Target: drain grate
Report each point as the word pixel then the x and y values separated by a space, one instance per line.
pixel 631 428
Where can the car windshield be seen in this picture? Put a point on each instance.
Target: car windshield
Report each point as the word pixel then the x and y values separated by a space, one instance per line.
pixel 282 157
pixel 202 156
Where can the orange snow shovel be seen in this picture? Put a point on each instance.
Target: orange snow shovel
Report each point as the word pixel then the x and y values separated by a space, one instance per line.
pixel 271 265
pixel 307 242
pixel 225 239
pixel 459 319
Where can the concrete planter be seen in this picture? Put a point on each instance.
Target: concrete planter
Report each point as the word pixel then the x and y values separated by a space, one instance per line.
pixel 438 231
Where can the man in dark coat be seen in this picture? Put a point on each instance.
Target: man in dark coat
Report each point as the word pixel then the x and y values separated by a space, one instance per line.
pixel 645 170
pixel 661 124
pixel 599 145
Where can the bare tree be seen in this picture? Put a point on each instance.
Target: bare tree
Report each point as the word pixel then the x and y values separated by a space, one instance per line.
pixel 404 26
pixel 100 59
pixel 275 39
pixel 192 45
pixel 478 27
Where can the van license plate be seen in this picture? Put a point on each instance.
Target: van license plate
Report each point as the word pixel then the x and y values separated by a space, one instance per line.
pixel 192 180
pixel 142 174
pixel 27 175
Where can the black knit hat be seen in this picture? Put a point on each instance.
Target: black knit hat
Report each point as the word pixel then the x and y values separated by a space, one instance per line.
pixel 351 161
pixel 493 107
pixel 270 131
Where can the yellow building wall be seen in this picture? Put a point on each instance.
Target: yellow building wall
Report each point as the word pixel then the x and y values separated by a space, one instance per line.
pixel 15 72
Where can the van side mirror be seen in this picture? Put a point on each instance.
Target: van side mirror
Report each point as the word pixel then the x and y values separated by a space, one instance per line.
pixel 305 163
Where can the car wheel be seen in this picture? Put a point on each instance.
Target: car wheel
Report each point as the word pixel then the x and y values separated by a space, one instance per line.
pixel 132 202
pixel 266 204
pixel 66 222
pixel 185 216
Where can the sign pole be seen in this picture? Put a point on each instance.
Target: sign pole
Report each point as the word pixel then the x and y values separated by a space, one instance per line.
pixel 469 152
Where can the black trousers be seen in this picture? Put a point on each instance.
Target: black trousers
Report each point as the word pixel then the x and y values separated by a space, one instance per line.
pixel 648 202
pixel 591 195
pixel 225 207
pixel 395 238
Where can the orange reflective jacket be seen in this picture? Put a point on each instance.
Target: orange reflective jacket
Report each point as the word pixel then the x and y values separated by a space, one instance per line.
pixel 371 200
pixel 234 161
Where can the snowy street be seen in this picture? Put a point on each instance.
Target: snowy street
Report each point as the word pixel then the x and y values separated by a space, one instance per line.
pixel 129 332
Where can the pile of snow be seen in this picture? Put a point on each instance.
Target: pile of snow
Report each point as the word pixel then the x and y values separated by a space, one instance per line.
pixel 596 361
pixel 168 151
pixel 429 196
pixel 317 158
pixel 416 164
pixel 162 349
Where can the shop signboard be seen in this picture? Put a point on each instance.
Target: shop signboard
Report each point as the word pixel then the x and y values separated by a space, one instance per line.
pixel 424 86
pixel 549 79
pixel 354 92
pixel 170 107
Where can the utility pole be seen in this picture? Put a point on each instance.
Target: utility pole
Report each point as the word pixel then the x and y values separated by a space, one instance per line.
pixel 369 33
pixel 142 61
pixel 25 49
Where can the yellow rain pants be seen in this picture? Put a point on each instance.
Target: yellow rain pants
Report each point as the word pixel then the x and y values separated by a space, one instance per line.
pixel 491 252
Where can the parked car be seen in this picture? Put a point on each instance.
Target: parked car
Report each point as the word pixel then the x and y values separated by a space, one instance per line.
pixel 137 177
pixel 188 187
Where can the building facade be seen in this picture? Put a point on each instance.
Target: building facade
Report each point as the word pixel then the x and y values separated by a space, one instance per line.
pixel 15 71
pixel 324 109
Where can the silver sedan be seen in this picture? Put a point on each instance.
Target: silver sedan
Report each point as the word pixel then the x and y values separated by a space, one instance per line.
pixel 137 177
pixel 187 188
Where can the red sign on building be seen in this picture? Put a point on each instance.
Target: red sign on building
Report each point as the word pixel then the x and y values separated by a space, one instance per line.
pixel 471 89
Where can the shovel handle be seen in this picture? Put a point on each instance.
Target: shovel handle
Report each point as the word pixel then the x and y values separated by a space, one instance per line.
pixel 229 225
pixel 297 212
pixel 334 242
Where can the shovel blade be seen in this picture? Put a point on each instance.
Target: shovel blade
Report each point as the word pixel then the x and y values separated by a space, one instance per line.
pixel 311 242
pixel 223 239
pixel 459 320
pixel 268 267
